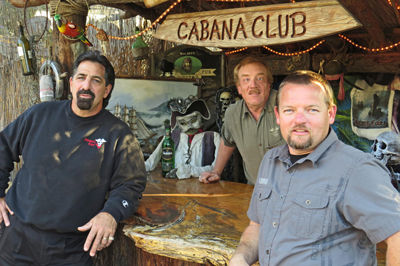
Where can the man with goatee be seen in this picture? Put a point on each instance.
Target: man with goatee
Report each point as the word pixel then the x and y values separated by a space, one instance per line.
pixel 318 201
pixel 75 153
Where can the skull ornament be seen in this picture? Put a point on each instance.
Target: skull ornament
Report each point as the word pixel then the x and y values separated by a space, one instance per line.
pixel 225 101
pixel 386 148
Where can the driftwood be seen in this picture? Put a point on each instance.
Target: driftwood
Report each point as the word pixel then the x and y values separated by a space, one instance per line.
pixel 268 24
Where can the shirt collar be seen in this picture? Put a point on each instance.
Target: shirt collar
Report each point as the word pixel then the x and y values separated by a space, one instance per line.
pixel 268 107
pixel 283 154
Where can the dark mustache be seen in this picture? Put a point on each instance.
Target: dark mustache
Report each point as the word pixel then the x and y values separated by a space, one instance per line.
pixel 85 92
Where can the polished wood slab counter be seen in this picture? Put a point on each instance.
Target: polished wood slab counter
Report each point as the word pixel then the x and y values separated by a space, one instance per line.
pixel 189 220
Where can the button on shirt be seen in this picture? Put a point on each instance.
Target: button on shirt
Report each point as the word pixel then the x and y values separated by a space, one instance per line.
pixel 309 211
pixel 252 138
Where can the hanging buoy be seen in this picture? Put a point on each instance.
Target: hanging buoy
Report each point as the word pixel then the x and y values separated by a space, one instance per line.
pixel 46 88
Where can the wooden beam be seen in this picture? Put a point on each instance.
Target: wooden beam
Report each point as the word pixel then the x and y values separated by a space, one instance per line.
pixel 132 10
pixel 366 63
pixel 21 3
pixel 366 16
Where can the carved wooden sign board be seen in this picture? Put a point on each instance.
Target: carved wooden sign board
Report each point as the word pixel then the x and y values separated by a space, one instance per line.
pixel 257 26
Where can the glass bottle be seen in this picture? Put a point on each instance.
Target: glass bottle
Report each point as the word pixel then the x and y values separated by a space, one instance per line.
pixel 140 49
pixel 24 52
pixel 168 150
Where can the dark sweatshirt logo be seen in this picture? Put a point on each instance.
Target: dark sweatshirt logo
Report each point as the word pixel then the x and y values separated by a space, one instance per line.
pixel 97 142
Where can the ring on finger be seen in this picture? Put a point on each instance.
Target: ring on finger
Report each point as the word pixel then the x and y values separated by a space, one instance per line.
pixel 105 238
pixel 111 238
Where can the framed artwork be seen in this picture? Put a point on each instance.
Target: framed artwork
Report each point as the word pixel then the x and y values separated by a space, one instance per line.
pixel 142 103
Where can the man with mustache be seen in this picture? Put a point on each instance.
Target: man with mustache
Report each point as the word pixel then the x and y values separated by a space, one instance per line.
pixel 75 154
pixel 250 123
pixel 318 201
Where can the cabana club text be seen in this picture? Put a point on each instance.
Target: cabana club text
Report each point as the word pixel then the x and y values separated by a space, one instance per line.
pixel 262 26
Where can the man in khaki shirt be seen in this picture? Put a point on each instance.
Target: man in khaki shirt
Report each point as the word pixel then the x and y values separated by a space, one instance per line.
pixel 250 123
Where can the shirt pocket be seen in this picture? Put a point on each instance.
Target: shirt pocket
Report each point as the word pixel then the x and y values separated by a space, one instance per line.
pixel 272 136
pixel 308 217
pixel 264 194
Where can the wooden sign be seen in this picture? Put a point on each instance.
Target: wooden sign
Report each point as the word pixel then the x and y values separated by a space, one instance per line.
pixel 257 26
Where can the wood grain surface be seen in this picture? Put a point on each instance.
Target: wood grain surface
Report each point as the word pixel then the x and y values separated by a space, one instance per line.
pixel 257 26
pixel 189 220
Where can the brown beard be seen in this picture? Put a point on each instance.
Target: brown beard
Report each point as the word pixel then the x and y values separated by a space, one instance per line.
pixel 299 146
pixel 84 103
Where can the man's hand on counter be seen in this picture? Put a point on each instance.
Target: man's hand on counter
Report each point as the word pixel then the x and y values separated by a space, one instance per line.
pixel 208 177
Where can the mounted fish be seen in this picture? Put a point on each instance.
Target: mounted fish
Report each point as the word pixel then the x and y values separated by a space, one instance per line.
pixel 71 30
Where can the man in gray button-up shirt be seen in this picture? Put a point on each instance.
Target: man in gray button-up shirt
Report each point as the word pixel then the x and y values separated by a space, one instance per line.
pixel 318 201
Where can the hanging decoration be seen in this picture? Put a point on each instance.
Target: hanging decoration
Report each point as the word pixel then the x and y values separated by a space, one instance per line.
pixel 236 51
pixel 140 49
pixel 369 49
pixel 71 30
pixel 104 41
pixel 390 3
pixel 45 26
pixel 334 73
pixel 296 53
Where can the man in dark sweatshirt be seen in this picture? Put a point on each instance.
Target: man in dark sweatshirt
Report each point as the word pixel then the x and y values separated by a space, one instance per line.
pixel 75 153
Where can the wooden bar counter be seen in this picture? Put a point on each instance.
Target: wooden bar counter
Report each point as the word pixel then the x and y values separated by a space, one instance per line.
pixel 189 220
pixel 185 223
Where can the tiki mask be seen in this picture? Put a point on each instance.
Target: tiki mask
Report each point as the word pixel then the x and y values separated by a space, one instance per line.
pixel 225 101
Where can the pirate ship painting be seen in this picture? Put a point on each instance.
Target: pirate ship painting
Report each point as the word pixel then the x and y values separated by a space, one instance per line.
pixel 144 102
pixel 135 123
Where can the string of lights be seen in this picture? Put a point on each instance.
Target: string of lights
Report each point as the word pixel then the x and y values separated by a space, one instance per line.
pixel 369 49
pixel 236 51
pixel 390 3
pixel 296 53
pixel 381 49
pixel 145 30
